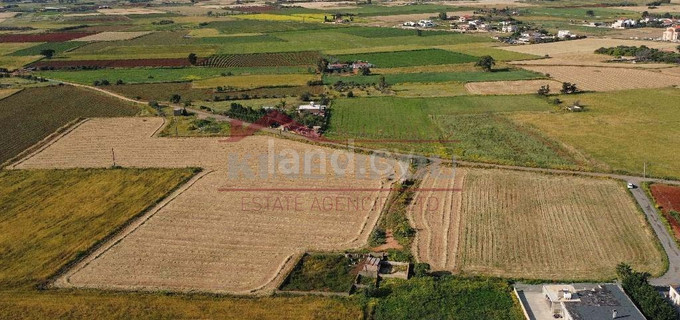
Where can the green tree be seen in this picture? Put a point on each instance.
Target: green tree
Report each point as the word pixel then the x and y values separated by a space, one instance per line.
pixel 193 59
pixel 486 63
pixel 443 16
pixel 568 88
pixel 48 53
pixel 175 98
pixel 590 13
pixel 544 90
pixel 382 85
pixel 321 65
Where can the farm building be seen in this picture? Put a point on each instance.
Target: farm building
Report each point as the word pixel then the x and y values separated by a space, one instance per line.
pixel 336 66
pixel 576 302
pixel 671 34
pixel 360 65
pixel 313 108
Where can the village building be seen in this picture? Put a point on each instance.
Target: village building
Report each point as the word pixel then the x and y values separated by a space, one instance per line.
pixel 426 23
pixel 361 65
pixel 576 302
pixel 313 108
pixel 671 34
pixel 508 27
pixel 563 34
pixel 624 23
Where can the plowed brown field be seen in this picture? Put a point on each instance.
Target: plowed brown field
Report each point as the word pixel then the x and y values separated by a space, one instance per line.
pixel 668 197
pixel 222 232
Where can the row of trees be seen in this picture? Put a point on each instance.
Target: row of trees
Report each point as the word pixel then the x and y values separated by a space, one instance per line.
pixel 105 82
pixel 641 53
pixel 652 305
pixel 567 88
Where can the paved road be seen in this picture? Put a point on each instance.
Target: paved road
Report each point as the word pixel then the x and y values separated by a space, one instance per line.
pixel 672 276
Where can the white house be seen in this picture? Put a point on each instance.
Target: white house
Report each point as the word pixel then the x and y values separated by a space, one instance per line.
pixel 564 34
pixel 671 34
pixel 624 23
pixel 674 295
pixel 313 108
pixel 426 23
pixel 508 27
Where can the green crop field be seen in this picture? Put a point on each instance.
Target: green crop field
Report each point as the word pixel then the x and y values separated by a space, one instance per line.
pixel 40 111
pixel 58 47
pixel 438 77
pixel 476 123
pixel 448 298
pixel 490 137
pixel 368 32
pixel 408 58
pixel 321 272
pixel 154 75
pixel 76 208
pixel 620 131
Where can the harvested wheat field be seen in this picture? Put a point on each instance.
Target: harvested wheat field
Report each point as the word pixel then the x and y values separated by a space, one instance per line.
pixel 608 79
pixel 435 214
pixel 224 231
pixel 113 36
pixel 588 45
pixel 510 87
pixel 128 11
pixel 532 225
pixel 587 60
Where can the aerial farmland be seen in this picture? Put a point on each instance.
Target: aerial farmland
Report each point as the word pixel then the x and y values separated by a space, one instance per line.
pixel 339 160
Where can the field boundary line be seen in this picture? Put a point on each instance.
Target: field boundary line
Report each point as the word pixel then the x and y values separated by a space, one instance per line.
pixel 43 144
pixel 61 279
pixel 159 129
pixel 281 274
pixel 11 94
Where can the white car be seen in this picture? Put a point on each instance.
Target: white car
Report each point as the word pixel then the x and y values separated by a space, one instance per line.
pixel 631 185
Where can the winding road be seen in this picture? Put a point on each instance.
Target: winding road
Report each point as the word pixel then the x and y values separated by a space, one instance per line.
pixel 671 277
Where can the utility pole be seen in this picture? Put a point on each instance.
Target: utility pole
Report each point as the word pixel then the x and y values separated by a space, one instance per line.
pixel 644 169
pixel 113 156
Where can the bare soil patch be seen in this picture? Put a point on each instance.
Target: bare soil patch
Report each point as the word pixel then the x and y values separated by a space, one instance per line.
pixel 510 87
pixel 668 197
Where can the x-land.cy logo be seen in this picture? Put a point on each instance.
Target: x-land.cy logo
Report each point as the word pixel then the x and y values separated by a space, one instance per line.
pixel 309 166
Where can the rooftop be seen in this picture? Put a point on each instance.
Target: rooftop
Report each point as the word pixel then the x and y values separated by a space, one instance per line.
pixel 589 301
